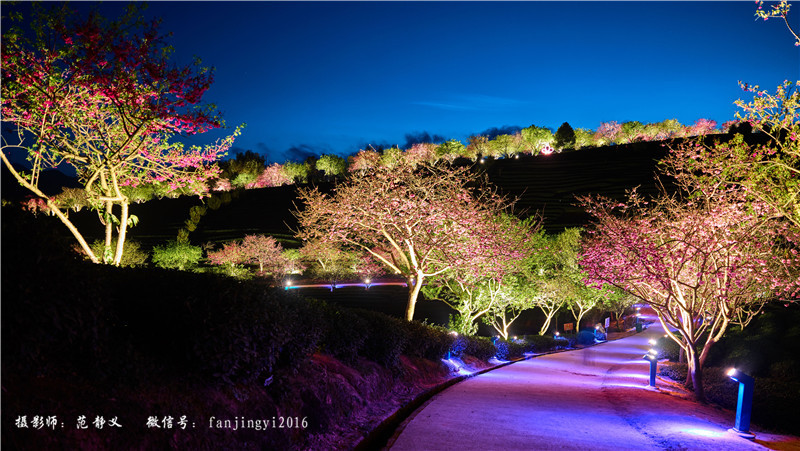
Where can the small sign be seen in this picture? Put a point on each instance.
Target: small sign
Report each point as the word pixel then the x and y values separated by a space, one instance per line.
pixel 567 326
pixel 608 322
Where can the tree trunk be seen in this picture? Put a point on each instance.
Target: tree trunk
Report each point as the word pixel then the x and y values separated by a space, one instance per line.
pixel 697 379
pixel 413 294
pixel 123 229
pixel 546 325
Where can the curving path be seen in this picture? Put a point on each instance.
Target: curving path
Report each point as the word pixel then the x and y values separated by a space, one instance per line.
pixel 596 398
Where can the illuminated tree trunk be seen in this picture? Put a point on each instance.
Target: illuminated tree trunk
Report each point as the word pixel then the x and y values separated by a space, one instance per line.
pixel 413 293
pixel 123 228
pixel 549 314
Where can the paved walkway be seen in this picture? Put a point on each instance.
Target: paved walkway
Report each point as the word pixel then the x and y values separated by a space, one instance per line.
pixel 591 399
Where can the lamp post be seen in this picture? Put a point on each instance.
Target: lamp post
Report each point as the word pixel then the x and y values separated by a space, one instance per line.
pixel 744 404
pixel 652 357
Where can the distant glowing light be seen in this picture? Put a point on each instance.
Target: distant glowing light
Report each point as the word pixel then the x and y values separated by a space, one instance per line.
pixel 453 333
pixel 652 342
pixel 731 372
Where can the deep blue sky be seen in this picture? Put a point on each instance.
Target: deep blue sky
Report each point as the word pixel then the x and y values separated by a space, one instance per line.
pixel 335 77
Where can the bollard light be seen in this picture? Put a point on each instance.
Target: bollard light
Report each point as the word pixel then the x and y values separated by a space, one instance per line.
pixel 652 357
pixel 455 334
pixel 558 334
pixel 744 404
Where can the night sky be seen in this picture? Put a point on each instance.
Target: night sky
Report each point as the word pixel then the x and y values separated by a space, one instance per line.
pixel 329 77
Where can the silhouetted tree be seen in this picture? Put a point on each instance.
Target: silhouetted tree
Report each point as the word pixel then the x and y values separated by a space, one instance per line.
pixel 565 137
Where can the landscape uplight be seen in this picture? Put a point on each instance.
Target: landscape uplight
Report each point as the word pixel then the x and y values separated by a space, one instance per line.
pixel 288 284
pixel 744 404
pixel 366 283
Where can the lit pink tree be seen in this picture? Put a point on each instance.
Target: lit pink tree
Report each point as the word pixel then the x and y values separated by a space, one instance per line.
pixel 93 94
pixel 230 255
pixel 702 264
pixel 421 153
pixel 273 175
pixel 417 222
pixel 364 160
pixel 477 284
pixel 607 133
pixel 261 250
pixel 767 172
pixel 702 127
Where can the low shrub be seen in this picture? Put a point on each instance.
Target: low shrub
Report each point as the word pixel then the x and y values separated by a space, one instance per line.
pixel 345 335
pixel 545 343
pixel 668 349
pixel 132 253
pixel 459 346
pixel 510 350
pixel 430 342
pixel 586 337
pixel 481 348
pixel 676 371
pixel 175 255
pixel 386 338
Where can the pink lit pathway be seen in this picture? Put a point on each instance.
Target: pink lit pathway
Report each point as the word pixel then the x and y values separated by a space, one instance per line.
pixel 596 398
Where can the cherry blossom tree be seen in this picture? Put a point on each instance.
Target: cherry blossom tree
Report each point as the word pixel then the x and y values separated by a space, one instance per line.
pixel 702 263
pixel 421 153
pixel 607 133
pixel 417 222
pixel 780 10
pixel 100 95
pixel 768 172
pixel 364 160
pixel 260 250
pixel 480 286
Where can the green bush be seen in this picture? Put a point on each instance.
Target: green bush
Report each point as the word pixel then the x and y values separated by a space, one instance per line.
pixel 426 341
pixel 345 334
pixel 668 349
pixel 386 338
pixel 545 343
pixel 132 253
pixel 176 255
pixel 676 372
pixel 481 348
pixel 509 350
pixel 586 337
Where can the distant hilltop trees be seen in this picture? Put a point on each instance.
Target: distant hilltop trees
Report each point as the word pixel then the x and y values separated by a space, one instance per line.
pixel 250 170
